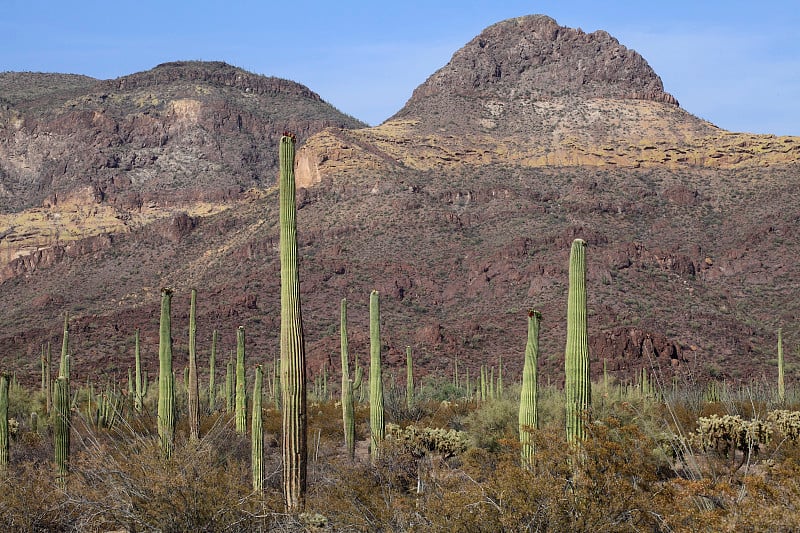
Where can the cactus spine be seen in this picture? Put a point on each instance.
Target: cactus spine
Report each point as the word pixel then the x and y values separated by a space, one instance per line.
pixel 293 358
pixel 376 426
pixel 348 386
pixel 138 395
pixel 166 380
pixel 410 379
pixel 528 401
pixel 61 425
pixel 212 383
pixel 3 421
pixel 576 361
pixel 241 385
pixel 257 435
pixel 781 383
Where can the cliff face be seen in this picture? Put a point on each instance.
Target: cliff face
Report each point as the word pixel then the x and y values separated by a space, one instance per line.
pixel 201 131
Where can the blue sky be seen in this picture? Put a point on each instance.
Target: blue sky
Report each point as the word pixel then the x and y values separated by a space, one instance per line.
pixel 734 63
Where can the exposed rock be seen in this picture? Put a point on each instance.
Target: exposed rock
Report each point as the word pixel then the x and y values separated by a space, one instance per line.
pixel 534 58
pixel 623 348
pixel 134 137
pixel 176 228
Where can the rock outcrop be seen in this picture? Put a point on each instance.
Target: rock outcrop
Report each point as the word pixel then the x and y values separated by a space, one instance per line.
pixel 535 58
pixel 201 131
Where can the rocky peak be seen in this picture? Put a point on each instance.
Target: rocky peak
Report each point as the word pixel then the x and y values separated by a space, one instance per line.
pixel 214 73
pixel 534 58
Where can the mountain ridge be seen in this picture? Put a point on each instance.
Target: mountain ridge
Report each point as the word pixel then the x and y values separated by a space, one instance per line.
pixel 459 209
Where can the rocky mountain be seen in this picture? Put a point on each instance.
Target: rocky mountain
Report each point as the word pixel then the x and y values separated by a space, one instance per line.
pixel 460 210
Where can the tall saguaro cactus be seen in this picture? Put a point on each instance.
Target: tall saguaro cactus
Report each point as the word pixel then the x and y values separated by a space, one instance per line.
pixel 64 367
pixel 241 385
pixel 576 361
pixel 781 383
pixel 528 400
pixel 3 421
pixel 61 426
pixel 293 356
pixel 49 379
pixel 348 386
pixel 230 387
pixel 257 435
pixel 377 428
pixel 138 393
pixel 193 397
pixel 212 381
pixel 166 380
pixel 409 379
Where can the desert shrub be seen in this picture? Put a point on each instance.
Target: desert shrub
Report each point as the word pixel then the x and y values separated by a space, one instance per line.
pixel 203 487
pixel 358 496
pixel 607 485
pixel 492 421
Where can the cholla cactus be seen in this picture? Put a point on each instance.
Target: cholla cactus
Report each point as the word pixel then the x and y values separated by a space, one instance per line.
pixel 422 441
pixel 729 433
pixel 786 422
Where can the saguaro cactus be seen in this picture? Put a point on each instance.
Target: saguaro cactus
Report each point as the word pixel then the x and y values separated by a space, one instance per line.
pixel 241 384
pixel 781 383
pixel 528 400
pixel 166 380
pixel 409 379
pixel 230 387
pixel 193 397
pixel 212 381
pixel 348 386
pixel 64 367
pixel 376 426
pixel 61 425
pixel 576 361
pixel 49 379
pixel 138 394
pixel 257 435
pixel 293 356
pixel 3 421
